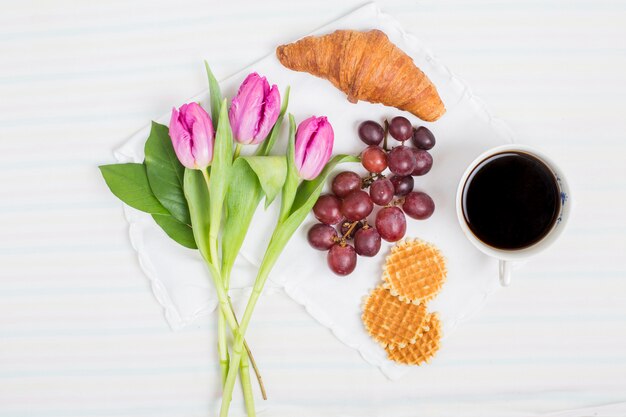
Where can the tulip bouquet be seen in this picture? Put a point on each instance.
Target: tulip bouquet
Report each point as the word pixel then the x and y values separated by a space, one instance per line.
pixel 203 193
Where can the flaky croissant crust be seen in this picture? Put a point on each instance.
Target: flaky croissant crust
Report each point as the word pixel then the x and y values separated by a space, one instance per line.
pixel 366 66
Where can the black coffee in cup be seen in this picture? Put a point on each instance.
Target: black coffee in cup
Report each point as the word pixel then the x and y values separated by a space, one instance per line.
pixel 511 200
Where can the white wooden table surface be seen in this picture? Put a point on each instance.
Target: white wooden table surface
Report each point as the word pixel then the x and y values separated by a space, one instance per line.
pixel 82 335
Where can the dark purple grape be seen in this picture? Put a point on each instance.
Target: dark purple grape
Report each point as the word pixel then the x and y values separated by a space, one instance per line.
pixel 423 162
pixel 391 224
pixel 345 226
pixel 367 242
pixel 327 209
pixel 371 133
pixel 402 185
pixel 381 191
pixel 401 160
pixel 341 259
pixel 345 182
pixel 356 206
pixel 400 128
pixel 374 159
pixel 423 138
pixel 322 236
pixel 418 205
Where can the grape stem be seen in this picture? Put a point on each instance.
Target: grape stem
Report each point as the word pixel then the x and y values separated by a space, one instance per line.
pixel 385 136
pixel 368 180
pixel 347 234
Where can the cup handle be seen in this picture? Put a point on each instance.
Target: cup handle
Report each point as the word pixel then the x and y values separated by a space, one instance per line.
pixel 505 273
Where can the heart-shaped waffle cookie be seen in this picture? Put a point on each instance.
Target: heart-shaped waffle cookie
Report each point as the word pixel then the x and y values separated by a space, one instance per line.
pixel 424 347
pixel 414 271
pixel 391 321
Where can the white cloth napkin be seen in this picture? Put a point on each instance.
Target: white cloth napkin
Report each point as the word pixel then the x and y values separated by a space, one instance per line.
pixel 180 281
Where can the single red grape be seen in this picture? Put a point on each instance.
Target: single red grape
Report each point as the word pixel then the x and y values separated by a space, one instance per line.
pixel 327 209
pixel 371 133
pixel 367 242
pixel 341 259
pixel 374 159
pixel 356 206
pixel 381 191
pixel 418 205
pixel 402 185
pixel 423 162
pixel 322 236
pixel 423 138
pixel 401 160
pixel 400 128
pixel 391 224
pixel 346 182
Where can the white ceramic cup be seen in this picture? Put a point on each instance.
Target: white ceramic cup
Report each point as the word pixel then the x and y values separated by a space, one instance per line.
pixel 506 256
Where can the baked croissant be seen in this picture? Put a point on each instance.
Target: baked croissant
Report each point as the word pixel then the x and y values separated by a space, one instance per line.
pixel 366 66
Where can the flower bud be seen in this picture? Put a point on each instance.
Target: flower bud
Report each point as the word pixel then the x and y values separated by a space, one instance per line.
pixel 314 146
pixel 254 110
pixel 192 134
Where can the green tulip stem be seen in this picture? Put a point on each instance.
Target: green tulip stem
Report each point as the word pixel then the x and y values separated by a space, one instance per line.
pixel 252 362
pixel 226 314
pixel 207 176
pixel 246 386
pixel 277 243
pixel 227 310
pixel 237 151
pixel 246 360
pixel 212 235
pixel 222 347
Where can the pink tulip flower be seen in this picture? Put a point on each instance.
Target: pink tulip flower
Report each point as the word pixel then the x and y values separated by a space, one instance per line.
pixel 314 145
pixel 192 134
pixel 254 110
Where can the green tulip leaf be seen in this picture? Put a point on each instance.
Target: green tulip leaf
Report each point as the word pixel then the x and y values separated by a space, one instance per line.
pixel 293 178
pixel 165 173
pixel 179 232
pixel 220 173
pixel 129 183
pixel 251 178
pixel 270 171
pixel 266 147
pixel 242 200
pixel 197 195
pixel 215 94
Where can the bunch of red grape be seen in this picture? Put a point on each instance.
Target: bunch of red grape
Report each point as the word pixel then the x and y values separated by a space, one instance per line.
pixel 348 206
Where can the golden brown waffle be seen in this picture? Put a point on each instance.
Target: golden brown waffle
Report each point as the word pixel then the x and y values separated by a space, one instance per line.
pixel 414 271
pixel 424 347
pixel 391 321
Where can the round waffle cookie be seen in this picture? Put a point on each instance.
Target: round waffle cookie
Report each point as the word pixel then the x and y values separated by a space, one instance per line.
pixel 414 271
pixel 423 349
pixel 391 321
